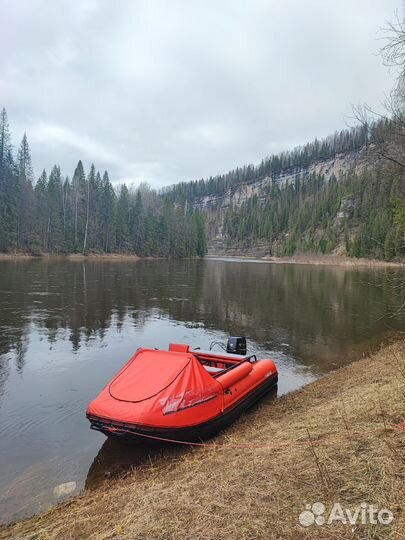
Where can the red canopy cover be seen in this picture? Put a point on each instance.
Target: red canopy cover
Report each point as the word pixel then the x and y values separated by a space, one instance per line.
pixel 160 389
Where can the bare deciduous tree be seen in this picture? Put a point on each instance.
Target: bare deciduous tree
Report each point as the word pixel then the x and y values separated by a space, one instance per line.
pixel 387 129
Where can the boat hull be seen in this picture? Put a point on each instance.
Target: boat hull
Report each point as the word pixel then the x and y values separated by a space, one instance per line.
pixel 142 433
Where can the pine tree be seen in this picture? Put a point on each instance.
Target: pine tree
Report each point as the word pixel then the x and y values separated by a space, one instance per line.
pixel 138 223
pixel 107 212
pixel 55 238
pixel 25 223
pixel 122 226
pixel 90 188
pixel 65 209
pixel 8 189
pixel 41 207
pixel 5 138
pixel 78 194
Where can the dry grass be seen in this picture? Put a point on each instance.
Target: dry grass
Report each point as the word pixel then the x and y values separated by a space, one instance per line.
pixel 336 260
pixel 318 260
pixel 216 493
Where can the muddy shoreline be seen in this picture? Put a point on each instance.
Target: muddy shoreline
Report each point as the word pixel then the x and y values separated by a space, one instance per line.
pixel 315 260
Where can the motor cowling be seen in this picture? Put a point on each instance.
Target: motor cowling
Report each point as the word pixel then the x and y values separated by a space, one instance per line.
pixel 236 345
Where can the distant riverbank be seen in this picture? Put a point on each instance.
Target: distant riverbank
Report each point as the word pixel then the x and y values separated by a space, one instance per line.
pixel 317 260
pixel 74 256
pixel 338 439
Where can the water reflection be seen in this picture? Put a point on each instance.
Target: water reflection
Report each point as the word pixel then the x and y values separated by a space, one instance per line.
pixel 318 311
pixel 322 313
pixel 116 458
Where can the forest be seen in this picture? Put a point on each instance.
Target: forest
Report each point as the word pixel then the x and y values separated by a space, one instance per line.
pixel 359 216
pixel 346 140
pixel 87 214
pixel 355 215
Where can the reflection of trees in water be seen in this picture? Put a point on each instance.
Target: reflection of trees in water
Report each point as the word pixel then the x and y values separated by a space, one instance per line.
pixel 21 350
pixel 83 299
pixel 4 373
pixel 12 339
pixel 316 310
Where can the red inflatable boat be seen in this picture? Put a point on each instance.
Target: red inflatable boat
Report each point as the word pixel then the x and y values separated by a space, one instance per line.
pixel 179 394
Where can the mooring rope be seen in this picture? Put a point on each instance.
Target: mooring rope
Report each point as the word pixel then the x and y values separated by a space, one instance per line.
pixel 399 428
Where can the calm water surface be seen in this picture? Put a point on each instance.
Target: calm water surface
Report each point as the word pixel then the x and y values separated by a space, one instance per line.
pixel 67 326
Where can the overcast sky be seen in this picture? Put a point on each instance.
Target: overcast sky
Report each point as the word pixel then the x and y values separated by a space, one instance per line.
pixel 164 91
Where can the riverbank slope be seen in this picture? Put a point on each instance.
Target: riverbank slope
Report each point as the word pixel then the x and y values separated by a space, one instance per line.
pixel 316 260
pixel 335 440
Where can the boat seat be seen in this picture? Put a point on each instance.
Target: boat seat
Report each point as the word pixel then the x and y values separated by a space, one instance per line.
pixel 212 369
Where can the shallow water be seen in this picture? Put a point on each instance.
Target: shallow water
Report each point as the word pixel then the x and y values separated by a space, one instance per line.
pixel 67 326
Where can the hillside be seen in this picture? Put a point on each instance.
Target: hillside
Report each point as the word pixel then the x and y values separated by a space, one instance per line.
pixel 335 196
pixel 339 195
pixel 241 222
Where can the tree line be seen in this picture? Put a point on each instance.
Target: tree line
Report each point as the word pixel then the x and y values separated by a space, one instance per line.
pixel 347 140
pixel 360 216
pixel 87 213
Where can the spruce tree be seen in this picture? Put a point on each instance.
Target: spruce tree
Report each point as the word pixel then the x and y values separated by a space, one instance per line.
pixel 8 189
pixel 122 224
pixel 55 211
pixel 107 213
pixel 78 193
pixel 41 210
pixel 26 238
pixel 5 138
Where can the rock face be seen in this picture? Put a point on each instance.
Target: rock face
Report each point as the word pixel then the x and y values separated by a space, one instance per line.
pixel 215 207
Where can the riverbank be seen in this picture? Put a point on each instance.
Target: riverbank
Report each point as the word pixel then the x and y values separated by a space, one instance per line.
pixel 332 441
pixel 73 256
pixel 316 260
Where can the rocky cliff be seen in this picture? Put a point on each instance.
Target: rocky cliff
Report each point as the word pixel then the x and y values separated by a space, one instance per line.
pixel 215 207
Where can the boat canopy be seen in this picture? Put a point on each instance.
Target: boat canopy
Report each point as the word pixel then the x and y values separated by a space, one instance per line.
pixel 160 388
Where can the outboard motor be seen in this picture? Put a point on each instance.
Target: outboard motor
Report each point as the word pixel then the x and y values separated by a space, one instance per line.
pixel 236 345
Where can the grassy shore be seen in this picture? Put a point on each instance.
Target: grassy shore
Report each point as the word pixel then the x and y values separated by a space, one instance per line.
pixel 334 260
pixel 331 441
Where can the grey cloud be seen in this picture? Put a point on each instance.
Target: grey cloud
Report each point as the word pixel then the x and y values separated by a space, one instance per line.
pixel 168 91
